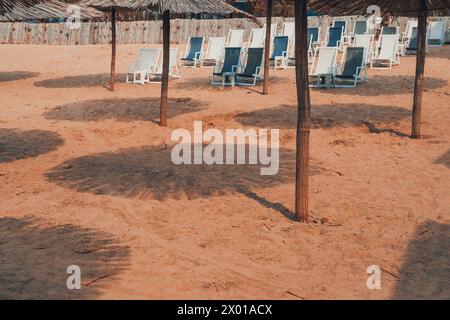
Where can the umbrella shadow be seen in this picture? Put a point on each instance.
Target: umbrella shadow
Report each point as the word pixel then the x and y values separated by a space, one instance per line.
pixel 327 116
pixel 148 172
pixel 34 259
pixel 425 272
pixel 389 85
pixel 80 81
pixel 144 109
pixel 16 75
pixel 17 144
pixel 444 159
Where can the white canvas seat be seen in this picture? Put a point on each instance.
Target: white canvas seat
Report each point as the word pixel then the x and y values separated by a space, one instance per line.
pixel 173 68
pixel 235 38
pixel 387 54
pixel 257 37
pixel 214 51
pixel 436 34
pixel 325 65
pixel 273 31
pixel 365 41
pixel 289 31
pixel 144 66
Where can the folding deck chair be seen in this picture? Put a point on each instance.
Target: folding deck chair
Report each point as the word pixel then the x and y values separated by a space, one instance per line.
pixel 224 70
pixel 335 38
pixel 389 30
pixel 144 65
pixel 249 74
pixel 436 34
pixel 280 51
pixel 314 32
pixel 289 31
pixel 173 68
pixel 388 54
pixel 214 51
pixel 323 70
pixel 194 51
pixel 342 24
pixel 352 68
pixel 235 38
pixel 257 38
pixel 365 41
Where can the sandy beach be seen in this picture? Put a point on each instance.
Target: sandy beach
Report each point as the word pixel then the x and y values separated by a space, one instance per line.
pixel 86 179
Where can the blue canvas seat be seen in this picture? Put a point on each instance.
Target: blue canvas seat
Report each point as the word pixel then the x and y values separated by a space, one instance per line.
pixel 252 69
pixel 195 50
pixel 224 70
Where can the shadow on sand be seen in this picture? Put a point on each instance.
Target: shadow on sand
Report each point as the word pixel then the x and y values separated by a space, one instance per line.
pixel 34 259
pixel 426 270
pixel 145 109
pixel 388 85
pixel 327 116
pixel 81 81
pixel 17 144
pixel 444 159
pixel 16 75
pixel 149 172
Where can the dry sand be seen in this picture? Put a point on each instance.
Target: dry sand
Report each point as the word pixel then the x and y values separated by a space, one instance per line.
pixel 86 179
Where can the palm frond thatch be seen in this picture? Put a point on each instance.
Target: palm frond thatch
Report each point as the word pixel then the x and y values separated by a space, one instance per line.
pixel 408 8
pixel 39 10
pixel 173 6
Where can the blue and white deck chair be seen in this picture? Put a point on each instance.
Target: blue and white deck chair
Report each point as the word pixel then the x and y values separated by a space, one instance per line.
pixel 194 51
pixel 249 74
pixel 224 71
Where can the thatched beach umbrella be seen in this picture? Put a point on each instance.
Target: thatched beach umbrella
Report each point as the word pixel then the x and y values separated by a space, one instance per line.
pixel 411 8
pixel 43 10
pixel 166 8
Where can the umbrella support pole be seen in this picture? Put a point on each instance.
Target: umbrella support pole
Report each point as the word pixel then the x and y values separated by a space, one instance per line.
pixel 420 67
pixel 304 111
pixel 269 5
pixel 113 49
pixel 165 72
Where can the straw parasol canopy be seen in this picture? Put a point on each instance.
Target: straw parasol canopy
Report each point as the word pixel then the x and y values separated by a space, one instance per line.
pixel 407 8
pixel 40 10
pixel 412 8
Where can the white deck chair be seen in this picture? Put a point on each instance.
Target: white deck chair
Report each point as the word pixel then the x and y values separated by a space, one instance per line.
pixel 273 31
pixel 436 34
pixel 289 31
pixel 325 65
pixel 365 41
pixel 214 53
pixel 257 37
pixel 235 38
pixel 173 67
pixel 408 29
pixel 144 65
pixel 388 52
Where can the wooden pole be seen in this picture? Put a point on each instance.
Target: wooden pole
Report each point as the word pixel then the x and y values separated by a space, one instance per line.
pixel 304 111
pixel 165 71
pixel 113 49
pixel 269 4
pixel 420 67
